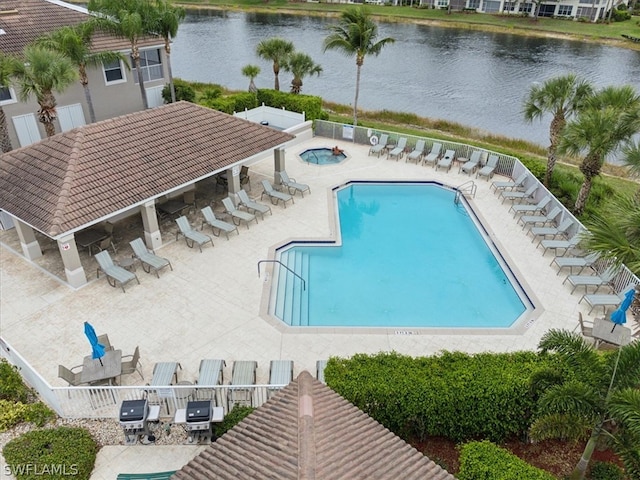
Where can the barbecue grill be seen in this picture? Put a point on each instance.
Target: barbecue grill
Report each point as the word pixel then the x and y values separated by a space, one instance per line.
pixel 198 422
pixel 134 420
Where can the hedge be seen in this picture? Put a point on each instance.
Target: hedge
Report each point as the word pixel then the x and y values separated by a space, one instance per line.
pixel 231 419
pixel 453 395
pixel 486 461
pixel 309 104
pixel 11 385
pixel 13 413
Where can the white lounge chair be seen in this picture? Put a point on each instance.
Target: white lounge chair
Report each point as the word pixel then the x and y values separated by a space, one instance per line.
pixel 292 185
pixel 516 195
pixel 571 262
pixel 273 194
pixel 237 216
pixel 398 151
pixel 378 148
pixel 490 167
pixel 114 273
pixel 587 281
pixel 148 259
pixel 446 160
pixel 417 153
pixel 470 166
pixel 252 206
pixel 551 231
pixel 533 220
pixel 216 225
pixel 433 155
pixel 532 209
pixel 606 300
pixel 190 234
pixel 510 184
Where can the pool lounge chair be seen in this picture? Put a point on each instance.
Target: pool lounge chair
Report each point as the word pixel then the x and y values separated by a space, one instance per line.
pixel 605 300
pixel 273 194
pixel 433 155
pixel 378 148
pixel 237 216
pixel 551 231
pixel 490 167
pixel 566 245
pixel 280 373
pixel 516 195
pixel 510 184
pixel 531 209
pixel 533 220
pixel 190 234
pixel 253 207
pixel 292 185
pixel 216 225
pixel 148 259
pixel 398 151
pixel 320 366
pixel 571 262
pixel 470 166
pixel 417 153
pixel 587 281
pixel 243 373
pixel 114 273
pixel 446 160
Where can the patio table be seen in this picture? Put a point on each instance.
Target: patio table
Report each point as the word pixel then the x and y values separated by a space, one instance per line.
pixel 602 327
pixel 89 237
pixel 171 208
pixel 110 368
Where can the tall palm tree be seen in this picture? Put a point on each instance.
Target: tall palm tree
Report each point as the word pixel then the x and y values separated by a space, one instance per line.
pixel 301 65
pixel 276 50
pixel 356 35
pixel 631 159
pixel 251 72
pixel 43 72
pixel 75 43
pixel 6 63
pixel 595 396
pixel 130 19
pixel 608 122
pixel 167 18
pixel 562 97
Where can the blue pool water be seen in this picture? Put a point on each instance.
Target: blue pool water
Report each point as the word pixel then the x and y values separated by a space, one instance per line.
pixel 321 156
pixel 410 257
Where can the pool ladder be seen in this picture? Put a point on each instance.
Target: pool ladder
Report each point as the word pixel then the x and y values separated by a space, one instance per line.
pixel 304 284
pixel 469 187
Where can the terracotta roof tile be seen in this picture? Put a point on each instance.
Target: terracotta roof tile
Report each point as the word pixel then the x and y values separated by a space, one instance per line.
pixel 74 178
pixel 307 431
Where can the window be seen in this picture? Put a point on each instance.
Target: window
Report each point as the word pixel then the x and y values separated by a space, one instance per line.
pixel 525 7
pixel 113 72
pixel 565 10
pixel 473 4
pixel 150 64
pixel 510 6
pixel 7 96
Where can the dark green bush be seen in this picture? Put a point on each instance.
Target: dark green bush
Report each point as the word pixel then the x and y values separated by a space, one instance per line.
pixel 184 91
pixel 605 471
pixel 58 453
pixel 231 419
pixel 486 461
pixel 211 92
pixel 454 395
pixel 536 167
pixel 310 105
pixel 620 15
pixel 11 386
pixel 245 101
pixel 224 104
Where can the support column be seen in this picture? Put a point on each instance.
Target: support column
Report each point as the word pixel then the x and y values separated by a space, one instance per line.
pixel 152 235
pixel 233 183
pixel 72 267
pixel 30 246
pixel 278 165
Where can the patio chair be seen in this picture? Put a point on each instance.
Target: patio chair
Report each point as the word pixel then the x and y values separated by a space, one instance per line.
pixel 587 281
pixel 320 366
pixel 417 153
pixel 69 375
pixel 190 234
pixel 398 151
pixel 446 160
pixel 380 146
pixel 217 225
pixel 104 340
pixel 148 259
pixel 606 300
pixel 510 184
pixel 273 194
pixel 243 373
pixel 280 373
pixel 566 245
pixel 490 167
pixel 433 155
pixel 104 244
pixel 580 262
pixel 245 179
pixel 131 364
pixel 585 328
pixel 472 164
pixel 114 273
pixel 237 216
pixel 517 195
pixel 551 231
pixel 531 209
pixel 292 185
pixel 533 220
pixel 252 206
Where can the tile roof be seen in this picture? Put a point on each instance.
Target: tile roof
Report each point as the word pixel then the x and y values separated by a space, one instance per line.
pixel 73 179
pixel 25 20
pixel 308 431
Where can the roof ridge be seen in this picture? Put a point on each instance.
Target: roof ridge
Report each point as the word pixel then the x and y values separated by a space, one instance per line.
pixel 306 432
pixel 67 182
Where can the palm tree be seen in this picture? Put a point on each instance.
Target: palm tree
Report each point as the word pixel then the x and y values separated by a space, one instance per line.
pixel 167 18
pixel 251 72
pixel 608 122
pixel 562 97
pixel 276 50
pixel 301 65
pixel 595 396
pixel 5 74
pixel 631 159
pixel 130 19
pixel 43 72
pixel 356 35
pixel 75 43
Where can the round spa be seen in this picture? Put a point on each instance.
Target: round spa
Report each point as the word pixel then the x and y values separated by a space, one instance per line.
pixel 322 156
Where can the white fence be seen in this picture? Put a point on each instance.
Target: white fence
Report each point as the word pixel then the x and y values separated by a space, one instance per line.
pixel 274 117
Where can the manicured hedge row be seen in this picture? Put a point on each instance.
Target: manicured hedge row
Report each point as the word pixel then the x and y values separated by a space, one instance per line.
pixel 454 395
pixel 486 461
pixel 310 105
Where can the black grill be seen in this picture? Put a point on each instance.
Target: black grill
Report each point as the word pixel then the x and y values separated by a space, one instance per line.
pixel 199 411
pixel 133 411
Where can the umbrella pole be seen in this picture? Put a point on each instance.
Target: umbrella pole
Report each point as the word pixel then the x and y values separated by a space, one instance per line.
pixel 102 364
pixel 614 327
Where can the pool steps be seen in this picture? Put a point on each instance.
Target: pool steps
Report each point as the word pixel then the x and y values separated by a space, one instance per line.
pixel 292 300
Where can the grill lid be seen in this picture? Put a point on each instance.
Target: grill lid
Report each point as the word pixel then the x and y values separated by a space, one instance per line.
pixel 133 410
pixel 199 411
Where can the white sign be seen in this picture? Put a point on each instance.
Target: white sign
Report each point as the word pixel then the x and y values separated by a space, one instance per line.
pixel 347 132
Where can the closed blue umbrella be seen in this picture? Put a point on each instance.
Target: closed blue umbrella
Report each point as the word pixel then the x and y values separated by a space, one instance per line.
pixel 96 347
pixel 619 316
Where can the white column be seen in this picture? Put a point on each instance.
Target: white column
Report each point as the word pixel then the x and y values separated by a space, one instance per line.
pixel 152 235
pixel 28 242
pixel 72 267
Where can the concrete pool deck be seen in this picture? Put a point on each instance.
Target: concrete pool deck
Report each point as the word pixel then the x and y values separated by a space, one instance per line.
pixel 209 306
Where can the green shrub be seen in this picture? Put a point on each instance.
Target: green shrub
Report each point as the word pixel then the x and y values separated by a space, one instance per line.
pixel 231 419
pixel 620 15
pixel 605 471
pixel 224 104
pixel 486 461
pixel 310 105
pixel 58 453
pixel 11 385
pixel 212 92
pixel 13 413
pixel 184 91
pixel 245 101
pixel 536 167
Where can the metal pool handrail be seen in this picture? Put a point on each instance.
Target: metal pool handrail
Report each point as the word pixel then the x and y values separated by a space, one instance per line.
pixel 304 284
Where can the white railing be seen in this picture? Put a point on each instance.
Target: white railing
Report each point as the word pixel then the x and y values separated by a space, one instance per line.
pixel 275 117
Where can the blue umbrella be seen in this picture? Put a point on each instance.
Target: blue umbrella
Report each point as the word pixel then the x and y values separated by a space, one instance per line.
pixel 619 316
pixel 96 347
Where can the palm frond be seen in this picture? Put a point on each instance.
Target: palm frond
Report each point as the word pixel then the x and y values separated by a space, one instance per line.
pixel 565 427
pixel 574 398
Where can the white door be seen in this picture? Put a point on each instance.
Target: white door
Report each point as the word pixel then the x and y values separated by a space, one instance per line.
pixel 154 96
pixel 26 129
pixel 70 116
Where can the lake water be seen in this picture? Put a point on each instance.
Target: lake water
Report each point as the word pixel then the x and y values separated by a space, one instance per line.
pixel 475 78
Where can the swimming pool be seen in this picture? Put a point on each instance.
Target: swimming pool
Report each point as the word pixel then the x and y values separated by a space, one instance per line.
pixel 407 256
pixel 322 156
